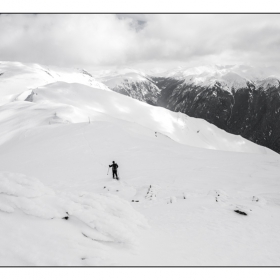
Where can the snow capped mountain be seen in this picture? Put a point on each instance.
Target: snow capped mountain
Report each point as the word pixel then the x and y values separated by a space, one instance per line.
pixel 208 92
pixel 132 83
pixel 245 71
pixel 228 76
pixel 239 99
pixel 229 81
pixel 107 74
pixel 127 78
pixel 267 83
pixel 233 97
pixel 17 77
pixel 138 85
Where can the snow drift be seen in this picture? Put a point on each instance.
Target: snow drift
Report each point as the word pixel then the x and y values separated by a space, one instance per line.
pixel 98 218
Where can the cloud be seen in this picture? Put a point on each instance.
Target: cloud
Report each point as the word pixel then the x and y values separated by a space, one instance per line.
pixel 139 39
pixel 65 39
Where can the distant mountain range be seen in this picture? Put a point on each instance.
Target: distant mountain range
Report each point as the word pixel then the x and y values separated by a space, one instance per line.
pixel 240 99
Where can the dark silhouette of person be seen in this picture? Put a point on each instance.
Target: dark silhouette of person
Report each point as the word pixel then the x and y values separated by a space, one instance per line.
pixel 114 170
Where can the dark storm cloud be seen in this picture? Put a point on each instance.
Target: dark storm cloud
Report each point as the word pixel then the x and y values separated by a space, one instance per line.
pixel 102 39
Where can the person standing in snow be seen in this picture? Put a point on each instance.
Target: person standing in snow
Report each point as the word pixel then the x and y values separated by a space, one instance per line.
pixel 114 170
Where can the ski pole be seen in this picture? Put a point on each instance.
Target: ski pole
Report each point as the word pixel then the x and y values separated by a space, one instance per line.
pixel 108 170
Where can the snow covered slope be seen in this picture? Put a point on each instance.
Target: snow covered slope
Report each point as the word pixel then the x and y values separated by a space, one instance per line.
pixel 134 84
pixel 42 226
pixel 188 196
pixel 16 77
pixel 71 103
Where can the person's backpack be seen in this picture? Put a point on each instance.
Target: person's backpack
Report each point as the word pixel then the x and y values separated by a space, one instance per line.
pixel 115 166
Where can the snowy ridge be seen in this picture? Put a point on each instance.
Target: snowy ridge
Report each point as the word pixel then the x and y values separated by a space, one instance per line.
pixel 103 75
pixel 227 81
pixel 134 84
pixel 72 103
pixel 120 80
pixel 228 76
pixel 267 83
pixel 18 77
pixel 246 71
pixel 233 98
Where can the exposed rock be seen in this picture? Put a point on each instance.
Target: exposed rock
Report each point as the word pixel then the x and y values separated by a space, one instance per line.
pixel 240 212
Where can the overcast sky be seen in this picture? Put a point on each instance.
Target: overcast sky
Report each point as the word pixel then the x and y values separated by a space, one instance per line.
pixel 145 41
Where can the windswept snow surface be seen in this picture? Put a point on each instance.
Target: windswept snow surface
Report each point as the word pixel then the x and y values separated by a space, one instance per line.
pixel 173 205
pixel 41 226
